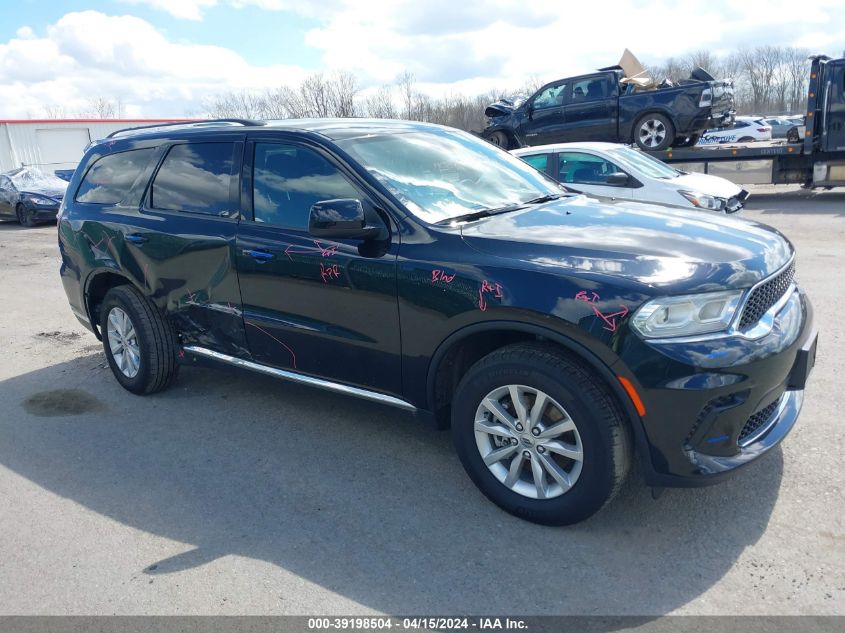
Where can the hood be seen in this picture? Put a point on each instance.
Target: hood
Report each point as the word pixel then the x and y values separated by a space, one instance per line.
pixel 710 185
pixel 503 107
pixel 55 194
pixel 671 250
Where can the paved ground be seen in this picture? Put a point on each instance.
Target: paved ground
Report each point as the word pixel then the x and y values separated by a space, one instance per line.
pixel 232 493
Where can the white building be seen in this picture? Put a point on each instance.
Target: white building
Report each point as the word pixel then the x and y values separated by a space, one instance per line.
pixel 52 144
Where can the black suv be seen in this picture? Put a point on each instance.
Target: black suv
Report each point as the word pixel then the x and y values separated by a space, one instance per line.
pixel 421 267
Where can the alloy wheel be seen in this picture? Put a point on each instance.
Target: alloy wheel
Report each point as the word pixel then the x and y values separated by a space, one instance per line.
pixel 652 133
pixel 528 441
pixel 123 342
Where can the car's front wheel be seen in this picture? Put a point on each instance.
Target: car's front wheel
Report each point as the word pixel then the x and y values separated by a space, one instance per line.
pixel 540 434
pixel 500 139
pixel 139 344
pixel 26 217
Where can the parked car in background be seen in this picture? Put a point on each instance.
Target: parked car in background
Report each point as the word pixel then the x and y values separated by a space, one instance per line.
pixel 619 171
pixel 418 266
pixel 780 125
pixel 796 133
pixel 744 130
pixel 597 107
pixel 30 196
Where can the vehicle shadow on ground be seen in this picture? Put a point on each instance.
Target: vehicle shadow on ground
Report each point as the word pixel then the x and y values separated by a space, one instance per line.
pixel 790 202
pixel 359 498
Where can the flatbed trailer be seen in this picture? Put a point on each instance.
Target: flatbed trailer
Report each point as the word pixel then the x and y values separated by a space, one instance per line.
pixel 817 160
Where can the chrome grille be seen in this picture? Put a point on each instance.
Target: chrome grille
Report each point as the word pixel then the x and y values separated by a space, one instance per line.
pixel 765 296
pixel 757 421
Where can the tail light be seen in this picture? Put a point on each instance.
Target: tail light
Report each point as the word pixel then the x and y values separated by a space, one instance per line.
pixel 764 129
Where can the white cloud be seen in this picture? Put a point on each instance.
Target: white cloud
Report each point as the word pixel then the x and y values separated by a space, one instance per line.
pixel 185 9
pixel 90 54
pixel 449 46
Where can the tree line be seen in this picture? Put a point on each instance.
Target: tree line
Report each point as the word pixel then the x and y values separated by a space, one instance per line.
pixel 767 80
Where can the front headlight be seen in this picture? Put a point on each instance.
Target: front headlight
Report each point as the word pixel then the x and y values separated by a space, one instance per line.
pixel 41 200
pixel 703 201
pixel 687 315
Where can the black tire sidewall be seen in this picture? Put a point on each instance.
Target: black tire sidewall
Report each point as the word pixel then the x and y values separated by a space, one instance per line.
pixel 137 383
pixel 500 139
pixel 595 483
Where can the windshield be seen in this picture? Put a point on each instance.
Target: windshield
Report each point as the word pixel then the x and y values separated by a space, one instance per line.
pixel 440 174
pixel 647 165
pixel 30 178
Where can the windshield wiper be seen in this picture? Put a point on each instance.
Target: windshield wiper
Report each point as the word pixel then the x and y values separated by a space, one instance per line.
pixel 486 213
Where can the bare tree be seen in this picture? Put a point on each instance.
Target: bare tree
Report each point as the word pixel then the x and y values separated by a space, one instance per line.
pixel 405 84
pixel 54 111
pixel 99 108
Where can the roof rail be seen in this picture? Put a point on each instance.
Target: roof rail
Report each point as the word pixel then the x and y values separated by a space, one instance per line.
pixel 197 123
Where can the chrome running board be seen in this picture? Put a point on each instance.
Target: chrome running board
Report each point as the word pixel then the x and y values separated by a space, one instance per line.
pixel 302 379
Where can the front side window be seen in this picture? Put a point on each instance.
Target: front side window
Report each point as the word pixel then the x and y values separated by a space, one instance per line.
pixel 584 169
pixel 111 177
pixel 288 180
pixel 550 97
pixel 439 174
pixel 195 178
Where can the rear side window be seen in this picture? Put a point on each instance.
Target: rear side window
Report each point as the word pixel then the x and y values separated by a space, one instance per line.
pixel 195 178
pixel 111 177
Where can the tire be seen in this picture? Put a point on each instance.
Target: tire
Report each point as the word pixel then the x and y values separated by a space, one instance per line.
pixel 686 141
pixel 155 342
pixel 746 139
pixel 25 217
pixel 792 135
pixel 576 398
pixel 500 139
pixel 654 132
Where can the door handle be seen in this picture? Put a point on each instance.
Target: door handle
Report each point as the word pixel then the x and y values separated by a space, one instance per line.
pixel 136 239
pixel 261 256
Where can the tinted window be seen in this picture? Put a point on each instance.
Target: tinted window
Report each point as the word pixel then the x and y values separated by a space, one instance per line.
pixel 110 177
pixel 195 178
pixel 288 179
pixel 584 168
pixel 537 161
pixel 588 89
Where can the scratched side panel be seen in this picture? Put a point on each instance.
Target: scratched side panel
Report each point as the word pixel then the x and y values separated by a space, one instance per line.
pixel 446 286
pixel 325 308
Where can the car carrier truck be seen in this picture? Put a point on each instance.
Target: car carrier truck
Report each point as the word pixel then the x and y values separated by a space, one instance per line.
pixel 817 160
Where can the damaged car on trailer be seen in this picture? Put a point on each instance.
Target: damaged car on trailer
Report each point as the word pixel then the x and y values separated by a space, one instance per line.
pixel 617 104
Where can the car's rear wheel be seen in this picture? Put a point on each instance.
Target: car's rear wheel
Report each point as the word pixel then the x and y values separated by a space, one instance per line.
pixel 746 139
pixel 654 132
pixel 26 217
pixel 500 139
pixel 139 344
pixel 792 135
pixel 540 434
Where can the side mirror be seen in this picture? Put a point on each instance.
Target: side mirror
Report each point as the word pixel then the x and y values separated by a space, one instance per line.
pixel 342 218
pixel 618 179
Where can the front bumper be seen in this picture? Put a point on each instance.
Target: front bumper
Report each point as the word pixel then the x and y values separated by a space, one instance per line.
pixel 713 406
pixel 43 213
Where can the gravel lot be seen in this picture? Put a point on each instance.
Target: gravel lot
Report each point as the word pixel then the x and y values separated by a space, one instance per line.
pixel 235 494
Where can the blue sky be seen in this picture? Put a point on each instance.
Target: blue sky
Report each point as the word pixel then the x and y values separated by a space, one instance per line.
pixel 165 58
pixel 247 30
